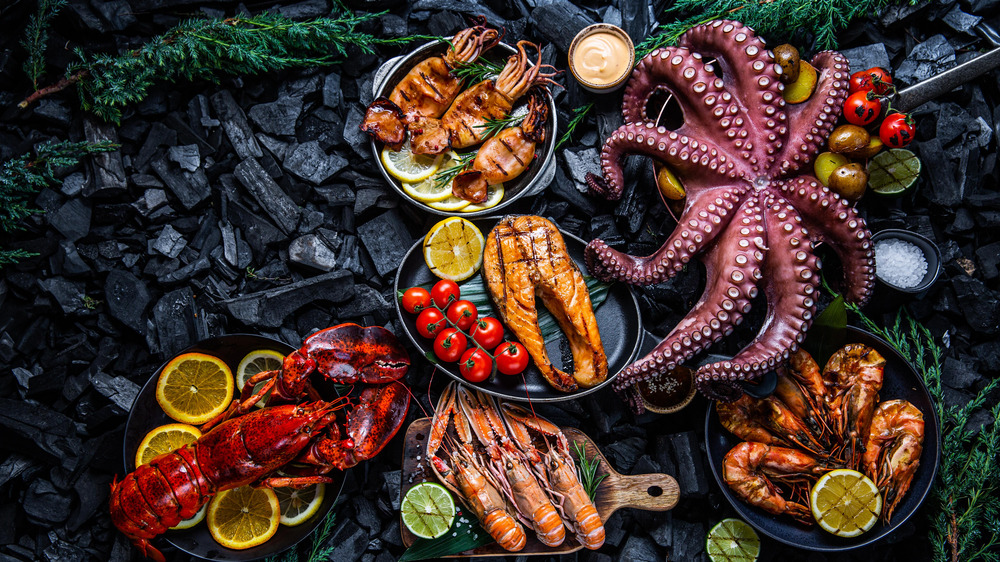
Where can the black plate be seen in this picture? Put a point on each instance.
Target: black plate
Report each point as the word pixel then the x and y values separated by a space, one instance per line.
pixel 146 414
pixel 617 319
pixel 513 189
pixel 900 380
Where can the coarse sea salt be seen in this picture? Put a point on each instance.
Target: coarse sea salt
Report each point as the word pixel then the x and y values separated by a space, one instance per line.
pixel 900 263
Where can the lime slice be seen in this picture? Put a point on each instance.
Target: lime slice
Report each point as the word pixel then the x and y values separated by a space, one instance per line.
pixel 188 523
pixel 297 506
pixel 255 362
pixel 845 502
pixel 493 197
pixel 732 540
pixel 428 510
pixel 892 172
pixel 406 166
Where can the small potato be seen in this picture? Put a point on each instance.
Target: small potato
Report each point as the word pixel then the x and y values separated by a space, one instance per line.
pixel 802 88
pixel 787 57
pixel 873 148
pixel 825 164
pixel 849 181
pixel 848 139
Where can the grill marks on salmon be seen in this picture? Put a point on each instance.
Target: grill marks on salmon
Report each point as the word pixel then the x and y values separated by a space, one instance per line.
pixel 526 259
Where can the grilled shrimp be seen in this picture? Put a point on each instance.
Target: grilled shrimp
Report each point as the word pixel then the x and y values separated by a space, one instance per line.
pixel 855 373
pixel 892 451
pixel 738 418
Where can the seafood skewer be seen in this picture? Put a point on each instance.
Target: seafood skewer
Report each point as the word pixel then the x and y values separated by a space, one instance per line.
pixel 505 156
pixel 557 469
pixel 429 88
pixel 892 451
pixel 467 477
pixel 463 125
pixel 525 257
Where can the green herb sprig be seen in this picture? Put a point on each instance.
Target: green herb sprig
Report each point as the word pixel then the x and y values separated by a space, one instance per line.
pixel 37 35
pixel 579 114
pixel 965 502
pixel 479 70
pixel 317 552
pixel 587 470
pixel 494 126
pixel 444 177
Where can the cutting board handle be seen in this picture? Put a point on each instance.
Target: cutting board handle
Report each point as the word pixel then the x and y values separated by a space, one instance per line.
pixel 650 492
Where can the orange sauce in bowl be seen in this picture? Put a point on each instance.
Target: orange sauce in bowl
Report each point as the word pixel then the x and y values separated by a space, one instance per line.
pixel 601 58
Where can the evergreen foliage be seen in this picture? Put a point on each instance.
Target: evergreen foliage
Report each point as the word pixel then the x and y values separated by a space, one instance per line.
pixel 965 501
pixel 203 48
pixel 26 174
pixel 793 21
pixel 37 35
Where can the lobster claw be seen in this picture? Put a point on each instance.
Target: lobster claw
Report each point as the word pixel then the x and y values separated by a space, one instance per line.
pixel 380 412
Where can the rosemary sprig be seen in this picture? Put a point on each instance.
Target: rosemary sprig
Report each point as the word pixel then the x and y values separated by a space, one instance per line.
pixel 587 470
pixel 579 114
pixel 965 503
pixel 476 72
pixel 444 177
pixel 494 126
pixel 317 553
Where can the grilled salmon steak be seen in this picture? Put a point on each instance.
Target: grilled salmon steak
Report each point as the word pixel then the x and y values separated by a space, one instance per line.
pixel 525 258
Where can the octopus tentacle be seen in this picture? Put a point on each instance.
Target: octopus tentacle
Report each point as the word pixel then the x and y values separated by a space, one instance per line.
pixel 789 287
pixel 707 214
pixel 681 152
pixel 810 122
pixel 730 287
pixel 684 75
pixel 753 81
pixel 830 218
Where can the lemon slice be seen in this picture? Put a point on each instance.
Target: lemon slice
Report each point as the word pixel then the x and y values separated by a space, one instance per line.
pixel 845 502
pixel 194 388
pixel 297 506
pixel 188 523
pixel 428 510
pixel 255 362
pixel 406 166
pixel 164 439
pixel 453 249
pixel 451 204
pixel 428 191
pixel 732 540
pixel 493 197
pixel 243 517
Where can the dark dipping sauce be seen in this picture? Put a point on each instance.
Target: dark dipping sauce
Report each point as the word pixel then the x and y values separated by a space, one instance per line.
pixel 668 390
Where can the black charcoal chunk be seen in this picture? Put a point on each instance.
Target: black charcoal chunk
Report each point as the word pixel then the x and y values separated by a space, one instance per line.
pixel 45 504
pixel 73 184
pixel 198 266
pixel 961 21
pixel 350 540
pixel 926 59
pixel 277 117
pixel 119 390
pixel 108 171
pixel 54 112
pixel 980 304
pixel 959 373
pixel 41 427
pixel 311 251
pixel 158 135
pixel 169 242
pixel 386 239
pixel 68 294
pixel 174 316
pixel 581 162
pixel 625 452
pixel 118 13
pixel 688 541
pixel 234 123
pixel 366 301
pixel 72 262
pixel 72 220
pixel 332 96
pixel 276 147
pixel 186 156
pixel 268 194
pixel 270 308
pixel 354 136
pixel 127 298
pixel 867 56
pixel 190 188
pixel 306 9
pixel 559 21
pixel 988 257
pixel 639 549
pixel 308 162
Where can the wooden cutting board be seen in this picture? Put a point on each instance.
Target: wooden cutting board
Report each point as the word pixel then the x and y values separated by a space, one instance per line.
pixel 650 492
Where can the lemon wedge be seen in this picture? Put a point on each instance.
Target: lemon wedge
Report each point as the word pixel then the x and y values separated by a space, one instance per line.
pixel 406 166
pixel 453 249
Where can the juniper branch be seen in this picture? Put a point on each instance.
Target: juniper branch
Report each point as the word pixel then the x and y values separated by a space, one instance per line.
pixel 203 48
pixel 36 36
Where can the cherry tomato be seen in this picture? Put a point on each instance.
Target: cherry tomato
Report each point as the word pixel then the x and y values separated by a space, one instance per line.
pixel 463 314
pixel 416 299
pixel 511 358
pixel 897 130
pixel 861 108
pixel 488 332
pixel 449 345
pixel 444 293
pixel 430 321
pixel 874 79
pixel 475 365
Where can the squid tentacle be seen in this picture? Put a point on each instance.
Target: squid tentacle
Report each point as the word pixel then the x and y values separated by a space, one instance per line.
pixel 832 219
pixel 789 286
pixel 706 216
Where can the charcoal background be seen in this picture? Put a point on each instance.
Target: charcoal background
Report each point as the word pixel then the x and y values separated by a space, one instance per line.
pixel 253 205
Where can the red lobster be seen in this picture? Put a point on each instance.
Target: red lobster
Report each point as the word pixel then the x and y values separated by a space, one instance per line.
pixel 249 449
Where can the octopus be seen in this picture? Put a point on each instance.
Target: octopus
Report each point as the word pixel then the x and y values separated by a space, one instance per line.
pixel 753 213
